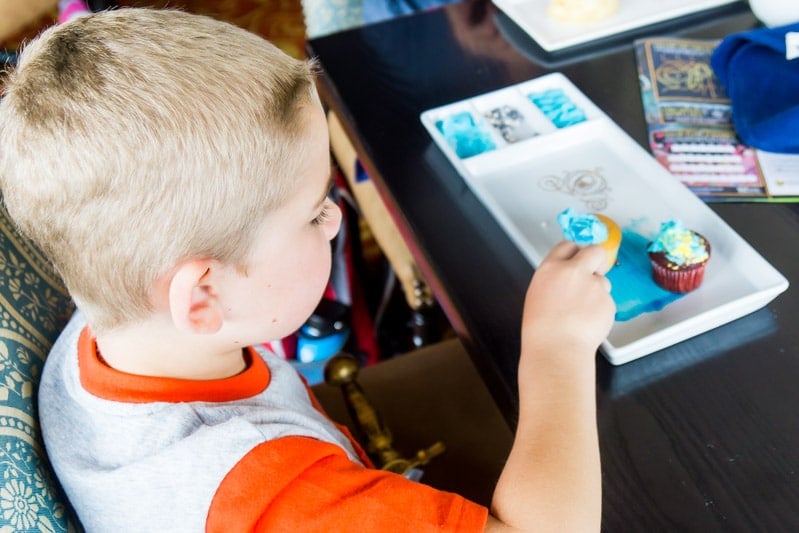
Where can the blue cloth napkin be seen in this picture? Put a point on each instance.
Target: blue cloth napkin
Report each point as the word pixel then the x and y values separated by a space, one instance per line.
pixel 763 87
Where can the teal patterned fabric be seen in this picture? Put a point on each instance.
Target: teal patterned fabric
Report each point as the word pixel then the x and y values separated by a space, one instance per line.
pixel 34 307
pixel 329 16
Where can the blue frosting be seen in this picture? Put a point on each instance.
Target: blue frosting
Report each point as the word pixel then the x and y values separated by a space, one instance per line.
pixel 582 229
pixel 557 107
pixel 632 287
pixel 465 135
pixel 681 246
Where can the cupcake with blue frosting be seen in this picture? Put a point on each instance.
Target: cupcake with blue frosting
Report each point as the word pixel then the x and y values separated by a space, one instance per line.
pixel 678 256
pixel 585 229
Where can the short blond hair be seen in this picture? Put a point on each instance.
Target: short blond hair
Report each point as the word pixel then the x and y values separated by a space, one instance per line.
pixel 133 139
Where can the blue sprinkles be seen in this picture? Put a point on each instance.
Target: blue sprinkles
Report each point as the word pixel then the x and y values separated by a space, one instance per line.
pixel 557 107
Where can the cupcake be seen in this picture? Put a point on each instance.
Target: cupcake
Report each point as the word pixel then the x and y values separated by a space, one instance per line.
pixel 587 229
pixel 678 256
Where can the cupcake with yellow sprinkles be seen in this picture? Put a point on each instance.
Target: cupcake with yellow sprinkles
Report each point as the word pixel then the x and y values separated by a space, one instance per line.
pixel 678 256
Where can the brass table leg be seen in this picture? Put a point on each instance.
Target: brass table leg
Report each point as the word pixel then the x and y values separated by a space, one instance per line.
pixel 342 371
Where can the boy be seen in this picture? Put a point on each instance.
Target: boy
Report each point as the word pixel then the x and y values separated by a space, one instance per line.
pixel 176 170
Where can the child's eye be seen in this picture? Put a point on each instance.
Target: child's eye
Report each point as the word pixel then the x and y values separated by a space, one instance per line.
pixel 322 217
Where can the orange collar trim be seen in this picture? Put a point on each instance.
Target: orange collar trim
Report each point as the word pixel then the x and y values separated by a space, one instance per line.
pixel 110 384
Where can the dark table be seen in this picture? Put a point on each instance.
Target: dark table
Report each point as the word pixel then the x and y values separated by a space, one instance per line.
pixel 702 436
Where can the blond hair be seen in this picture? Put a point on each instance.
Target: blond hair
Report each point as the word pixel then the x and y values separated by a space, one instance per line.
pixel 133 139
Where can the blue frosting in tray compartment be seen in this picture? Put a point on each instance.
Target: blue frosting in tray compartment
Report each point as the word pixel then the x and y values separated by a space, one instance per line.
pixel 465 135
pixel 557 107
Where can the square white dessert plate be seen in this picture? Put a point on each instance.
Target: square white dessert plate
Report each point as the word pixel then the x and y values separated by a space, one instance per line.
pixel 552 35
pixel 594 166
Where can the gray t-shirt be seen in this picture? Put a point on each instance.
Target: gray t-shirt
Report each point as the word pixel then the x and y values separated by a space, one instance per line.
pixel 134 466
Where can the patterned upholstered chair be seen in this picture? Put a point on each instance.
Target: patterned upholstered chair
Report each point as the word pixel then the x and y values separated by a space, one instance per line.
pixel 34 307
pixel 329 16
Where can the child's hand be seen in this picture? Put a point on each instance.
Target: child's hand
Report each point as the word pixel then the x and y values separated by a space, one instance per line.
pixel 552 480
pixel 568 307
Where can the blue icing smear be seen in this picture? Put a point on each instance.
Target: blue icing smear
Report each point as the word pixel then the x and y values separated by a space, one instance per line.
pixel 633 288
pixel 557 107
pixel 581 228
pixel 465 135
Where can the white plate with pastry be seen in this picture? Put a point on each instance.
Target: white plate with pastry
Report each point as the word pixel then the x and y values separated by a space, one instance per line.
pixel 559 24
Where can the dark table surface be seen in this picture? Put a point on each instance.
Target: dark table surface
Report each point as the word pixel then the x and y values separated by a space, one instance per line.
pixel 701 436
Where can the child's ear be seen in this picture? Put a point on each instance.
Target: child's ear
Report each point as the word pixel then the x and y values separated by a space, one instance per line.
pixel 194 298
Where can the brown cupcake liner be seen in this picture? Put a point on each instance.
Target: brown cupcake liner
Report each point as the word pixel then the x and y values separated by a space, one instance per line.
pixel 682 281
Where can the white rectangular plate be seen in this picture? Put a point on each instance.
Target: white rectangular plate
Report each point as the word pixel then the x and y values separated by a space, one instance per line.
pixel 594 166
pixel 552 35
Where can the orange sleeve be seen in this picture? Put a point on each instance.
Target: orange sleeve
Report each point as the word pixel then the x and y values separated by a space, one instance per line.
pixel 298 484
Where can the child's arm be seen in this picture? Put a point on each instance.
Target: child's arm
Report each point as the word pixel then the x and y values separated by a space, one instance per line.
pixel 552 479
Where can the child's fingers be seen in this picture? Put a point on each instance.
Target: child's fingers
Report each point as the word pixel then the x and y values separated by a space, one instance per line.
pixel 593 258
pixel 562 251
pixel 604 281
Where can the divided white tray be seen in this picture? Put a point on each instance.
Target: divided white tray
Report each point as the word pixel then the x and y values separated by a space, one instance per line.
pixel 594 166
pixel 552 35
